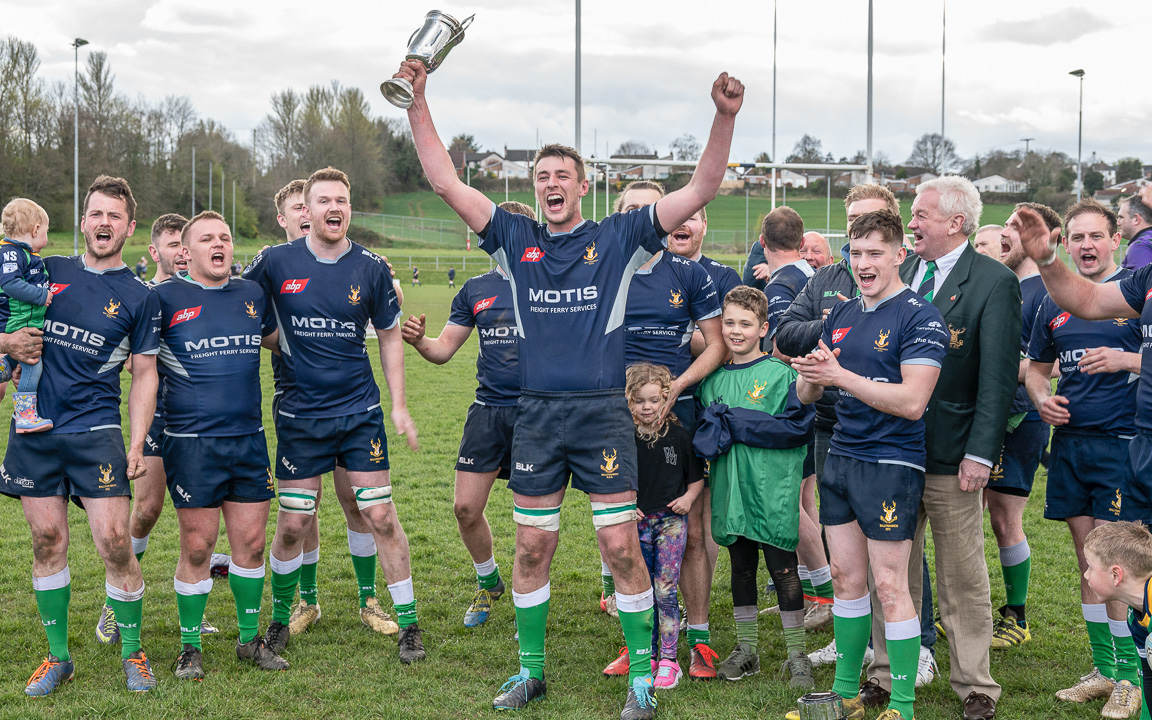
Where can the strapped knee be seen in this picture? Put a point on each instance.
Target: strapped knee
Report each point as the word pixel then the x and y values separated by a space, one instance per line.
pixel 298 501
pixel 367 497
pixel 542 518
pixel 609 514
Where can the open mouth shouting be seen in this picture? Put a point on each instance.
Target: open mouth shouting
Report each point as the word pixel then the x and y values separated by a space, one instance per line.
pixel 1089 260
pixel 554 202
pixel 866 280
pixel 334 224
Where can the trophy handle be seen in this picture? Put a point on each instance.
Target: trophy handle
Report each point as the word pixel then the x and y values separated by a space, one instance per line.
pixel 409 43
pixel 463 26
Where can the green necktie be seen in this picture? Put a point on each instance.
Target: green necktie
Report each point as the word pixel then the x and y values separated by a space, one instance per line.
pixel 928 284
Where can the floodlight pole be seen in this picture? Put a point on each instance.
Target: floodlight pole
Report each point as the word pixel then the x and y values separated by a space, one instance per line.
pixel 76 45
pixel 943 57
pixel 1080 139
pixel 774 158
pixel 869 90
pixel 577 75
pixel 193 182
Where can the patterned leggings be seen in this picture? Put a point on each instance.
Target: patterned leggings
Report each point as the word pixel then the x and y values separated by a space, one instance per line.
pixel 663 536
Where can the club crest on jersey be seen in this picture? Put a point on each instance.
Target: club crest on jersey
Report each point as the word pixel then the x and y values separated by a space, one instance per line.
pixel 377 453
pixel 291 287
pixel 590 256
pixel 251 310
pixel 609 469
pixel 532 254
pixel 840 333
pixel 1059 320
pixel 1115 507
pixel 188 314
pixel 354 295
pixel 889 517
pixel 57 288
pixel 483 305
pixel 1120 321
pixel 110 310
pixel 107 482
pixel 956 342
pixel 756 394
pixel 882 343
pixel 676 300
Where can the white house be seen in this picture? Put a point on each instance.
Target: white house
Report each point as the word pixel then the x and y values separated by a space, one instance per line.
pixel 1000 184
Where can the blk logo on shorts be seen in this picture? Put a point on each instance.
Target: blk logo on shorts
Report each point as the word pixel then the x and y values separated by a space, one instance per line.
pixel 483 305
pixel 291 287
pixel 185 315
pixel 532 254
pixel 840 333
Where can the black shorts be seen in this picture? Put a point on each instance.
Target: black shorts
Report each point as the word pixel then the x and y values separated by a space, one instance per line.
pixel 1087 476
pixel 486 444
pixel 685 411
pixel 310 447
pixel 1019 459
pixel 883 498
pixel 1138 495
pixel 155 437
pixel 203 472
pixel 810 459
pixel 90 464
pixel 586 435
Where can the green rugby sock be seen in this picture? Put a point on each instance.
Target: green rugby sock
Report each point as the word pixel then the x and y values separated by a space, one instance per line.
pixel 309 593
pixel 365 567
pixel 247 586
pixel 403 602
pixel 637 617
pixel 852 626
pixel 191 599
pixel 1100 638
pixel 1127 660
pixel 531 623
pixel 53 596
pixel 903 641
pixel 129 611
pixel 1016 564
pixel 285 577
pixel 606 579
pixel 699 635
pixel 488 582
pixel 746 629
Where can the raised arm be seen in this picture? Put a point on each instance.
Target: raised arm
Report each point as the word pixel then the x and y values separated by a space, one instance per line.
pixel 469 203
pixel 1079 296
pixel 673 209
pixel 437 350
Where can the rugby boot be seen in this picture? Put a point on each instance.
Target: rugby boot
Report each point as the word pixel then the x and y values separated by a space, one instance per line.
pixel 276 637
pixel 1009 632
pixel 190 664
pixel 1092 686
pixel 519 691
pixel 702 665
pixel 374 617
pixel 481 606
pixel 107 631
pixel 51 674
pixel 138 672
pixel 411 644
pixel 640 703
pixel 304 616
pixel 257 652
pixel 28 420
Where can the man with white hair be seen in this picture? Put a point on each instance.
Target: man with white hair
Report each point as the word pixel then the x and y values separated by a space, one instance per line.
pixel 965 421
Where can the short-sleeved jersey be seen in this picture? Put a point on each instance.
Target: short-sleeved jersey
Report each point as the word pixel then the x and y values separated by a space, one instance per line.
pixel 570 291
pixel 96 320
pixel 664 304
pixel 723 277
pixel 19 262
pixel 210 349
pixel 783 287
pixel 902 329
pixel 1032 294
pixel 485 303
pixel 1104 402
pixel 322 309
pixel 1137 289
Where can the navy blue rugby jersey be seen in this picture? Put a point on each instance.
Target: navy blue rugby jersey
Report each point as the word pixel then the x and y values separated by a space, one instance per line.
pixel 1105 402
pixel 485 303
pixel 723 277
pixel 210 349
pixel 96 320
pixel 570 291
pixel 1137 289
pixel 322 308
pixel 664 304
pixel 1032 294
pixel 782 288
pixel 902 329
pixel 159 371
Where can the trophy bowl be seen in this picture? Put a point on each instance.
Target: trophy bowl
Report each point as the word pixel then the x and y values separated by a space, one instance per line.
pixel 821 706
pixel 430 44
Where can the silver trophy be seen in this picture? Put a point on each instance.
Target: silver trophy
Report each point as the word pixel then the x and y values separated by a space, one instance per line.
pixel 430 45
pixel 821 706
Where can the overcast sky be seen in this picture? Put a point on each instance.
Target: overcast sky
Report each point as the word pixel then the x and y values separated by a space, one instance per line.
pixel 648 66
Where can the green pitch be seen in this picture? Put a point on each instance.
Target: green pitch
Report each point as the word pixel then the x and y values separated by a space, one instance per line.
pixel 341 670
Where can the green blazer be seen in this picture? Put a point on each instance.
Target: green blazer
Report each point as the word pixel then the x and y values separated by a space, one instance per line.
pixel 968 412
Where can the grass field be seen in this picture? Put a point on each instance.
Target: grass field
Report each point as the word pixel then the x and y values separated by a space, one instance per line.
pixel 341 670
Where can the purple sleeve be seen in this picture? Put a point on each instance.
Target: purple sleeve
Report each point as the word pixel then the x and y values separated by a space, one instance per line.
pixel 1139 255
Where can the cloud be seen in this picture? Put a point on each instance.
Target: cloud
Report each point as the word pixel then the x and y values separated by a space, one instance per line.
pixel 1062 26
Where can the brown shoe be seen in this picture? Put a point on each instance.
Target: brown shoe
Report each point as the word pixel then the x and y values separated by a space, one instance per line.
pixel 872 695
pixel 978 706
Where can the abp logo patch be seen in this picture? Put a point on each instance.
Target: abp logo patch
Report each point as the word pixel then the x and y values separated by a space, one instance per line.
pixel 483 305
pixel 840 333
pixel 185 315
pixel 1148 296
pixel 57 288
pixel 1059 320
pixel 291 287
pixel 532 254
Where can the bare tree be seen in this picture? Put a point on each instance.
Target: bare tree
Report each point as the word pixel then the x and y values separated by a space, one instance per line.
pixel 934 152
pixel 807 150
pixel 633 147
pixel 685 147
